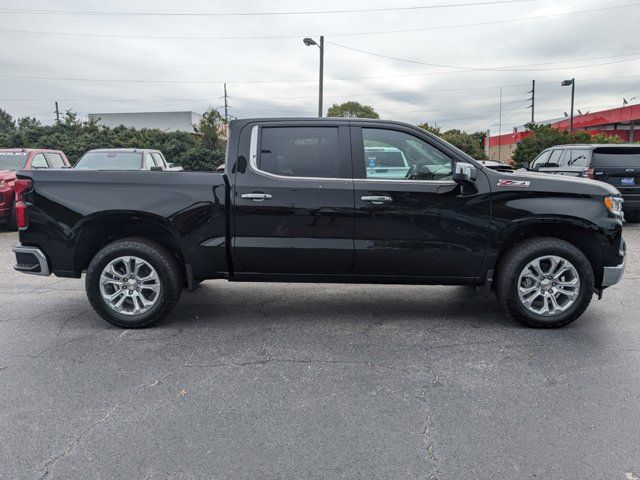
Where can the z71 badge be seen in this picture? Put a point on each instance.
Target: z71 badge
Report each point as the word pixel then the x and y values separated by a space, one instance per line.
pixel 506 182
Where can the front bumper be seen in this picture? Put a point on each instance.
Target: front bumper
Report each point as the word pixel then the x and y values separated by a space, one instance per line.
pixel 613 275
pixel 31 260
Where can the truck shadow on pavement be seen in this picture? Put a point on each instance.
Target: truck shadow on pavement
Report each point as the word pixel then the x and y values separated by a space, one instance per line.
pixel 294 303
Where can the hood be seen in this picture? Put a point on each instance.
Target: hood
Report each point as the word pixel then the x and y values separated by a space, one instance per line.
pixel 550 182
pixel 7 175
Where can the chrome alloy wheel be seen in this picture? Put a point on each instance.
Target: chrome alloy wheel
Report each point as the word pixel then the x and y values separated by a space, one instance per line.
pixel 548 285
pixel 130 285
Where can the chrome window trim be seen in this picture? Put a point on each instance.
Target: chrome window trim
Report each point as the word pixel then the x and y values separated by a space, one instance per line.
pixel 253 165
pixel 400 181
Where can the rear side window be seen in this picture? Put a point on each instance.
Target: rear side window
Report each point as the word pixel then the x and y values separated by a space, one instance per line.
pixel 299 151
pixel 609 157
pixel 55 160
pixel 577 158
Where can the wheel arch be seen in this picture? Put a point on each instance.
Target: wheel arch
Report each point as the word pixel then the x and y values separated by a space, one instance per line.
pixel 97 231
pixel 581 236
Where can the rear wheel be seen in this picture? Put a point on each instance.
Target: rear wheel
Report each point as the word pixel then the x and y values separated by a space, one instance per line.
pixel 545 282
pixel 133 283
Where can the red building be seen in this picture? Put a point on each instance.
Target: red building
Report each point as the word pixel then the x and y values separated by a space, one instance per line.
pixel 617 121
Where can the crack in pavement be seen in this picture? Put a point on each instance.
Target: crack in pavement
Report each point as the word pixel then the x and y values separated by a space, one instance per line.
pixel 428 438
pixel 47 466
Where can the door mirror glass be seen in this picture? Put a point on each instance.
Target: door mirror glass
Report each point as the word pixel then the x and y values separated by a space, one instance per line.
pixel 464 173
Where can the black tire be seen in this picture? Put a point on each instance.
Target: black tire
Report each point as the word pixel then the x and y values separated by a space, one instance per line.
pixel 159 258
pixel 513 263
pixel 632 217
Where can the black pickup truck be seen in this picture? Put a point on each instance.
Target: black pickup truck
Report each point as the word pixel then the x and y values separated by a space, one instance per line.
pixel 324 200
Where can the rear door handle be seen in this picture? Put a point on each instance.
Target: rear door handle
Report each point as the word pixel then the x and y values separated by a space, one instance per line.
pixel 376 199
pixel 256 197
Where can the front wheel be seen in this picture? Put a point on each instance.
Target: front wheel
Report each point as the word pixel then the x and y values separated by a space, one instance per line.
pixel 133 283
pixel 545 282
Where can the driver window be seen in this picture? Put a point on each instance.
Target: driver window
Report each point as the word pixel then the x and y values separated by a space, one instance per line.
pixel 39 161
pixel 395 155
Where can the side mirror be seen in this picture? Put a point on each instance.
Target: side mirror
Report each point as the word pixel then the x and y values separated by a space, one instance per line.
pixel 526 165
pixel 464 173
pixel 170 165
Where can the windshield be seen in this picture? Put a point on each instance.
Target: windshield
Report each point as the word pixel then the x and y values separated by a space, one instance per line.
pixel 13 160
pixel 110 161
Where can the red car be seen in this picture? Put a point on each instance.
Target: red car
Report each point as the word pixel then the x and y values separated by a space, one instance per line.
pixel 14 159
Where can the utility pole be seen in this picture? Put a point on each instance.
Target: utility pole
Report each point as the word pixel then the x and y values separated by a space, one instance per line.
pixel 533 100
pixel 57 113
pixel 487 143
pixel 500 129
pixel 226 105
pixel 321 75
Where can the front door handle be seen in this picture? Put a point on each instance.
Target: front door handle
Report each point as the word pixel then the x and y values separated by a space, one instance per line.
pixel 376 199
pixel 256 197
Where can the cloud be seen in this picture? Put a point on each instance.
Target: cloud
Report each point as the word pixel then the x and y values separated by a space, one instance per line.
pixel 398 90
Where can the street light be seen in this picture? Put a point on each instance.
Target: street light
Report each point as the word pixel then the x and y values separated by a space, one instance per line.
pixel 566 83
pixel 309 42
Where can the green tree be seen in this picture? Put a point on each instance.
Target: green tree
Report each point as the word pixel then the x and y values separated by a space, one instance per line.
pixel 210 127
pixel 545 136
pixel 352 110
pixel 431 128
pixel 203 151
pixel 470 143
pixel 7 125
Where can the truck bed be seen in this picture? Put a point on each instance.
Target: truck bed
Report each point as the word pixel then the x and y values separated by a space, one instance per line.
pixel 72 211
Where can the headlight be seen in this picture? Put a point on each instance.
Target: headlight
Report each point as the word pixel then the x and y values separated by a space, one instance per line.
pixel 2 183
pixel 614 205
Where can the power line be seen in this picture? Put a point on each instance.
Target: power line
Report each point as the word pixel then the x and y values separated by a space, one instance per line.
pixel 508 68
pixel 289 36
pixel 251 14
pixel 337 79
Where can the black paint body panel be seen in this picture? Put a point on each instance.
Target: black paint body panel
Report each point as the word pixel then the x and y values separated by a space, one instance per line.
pixel 313 229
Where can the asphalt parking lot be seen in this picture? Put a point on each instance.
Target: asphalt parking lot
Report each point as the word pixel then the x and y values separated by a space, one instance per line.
pixel 271 381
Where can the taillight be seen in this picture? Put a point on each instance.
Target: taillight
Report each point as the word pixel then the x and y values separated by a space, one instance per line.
pixel 588 173
pixel 22 214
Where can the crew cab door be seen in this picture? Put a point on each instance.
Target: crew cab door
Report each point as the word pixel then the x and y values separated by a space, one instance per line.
pixel 293 199
pixel 421 223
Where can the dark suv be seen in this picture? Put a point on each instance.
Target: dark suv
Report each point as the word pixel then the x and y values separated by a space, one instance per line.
pixel 617 165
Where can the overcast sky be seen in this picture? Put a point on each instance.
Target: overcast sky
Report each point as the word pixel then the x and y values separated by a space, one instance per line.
pixel 278 76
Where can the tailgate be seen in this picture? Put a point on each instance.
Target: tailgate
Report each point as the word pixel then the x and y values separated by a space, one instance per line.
pixel 619 167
